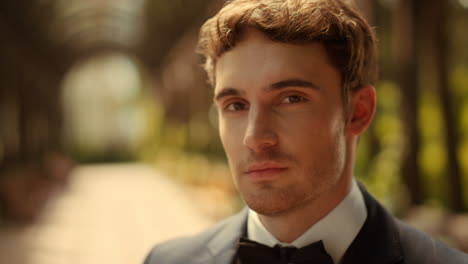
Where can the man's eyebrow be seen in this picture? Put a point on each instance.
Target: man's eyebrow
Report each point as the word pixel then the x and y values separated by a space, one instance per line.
pixel 229 91
pixel 293 83
pixel 225 92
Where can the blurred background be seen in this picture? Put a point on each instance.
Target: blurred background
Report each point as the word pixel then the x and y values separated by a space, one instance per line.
pixel 109 143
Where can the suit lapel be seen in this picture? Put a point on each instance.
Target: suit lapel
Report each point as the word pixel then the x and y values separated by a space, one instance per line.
pixel 378 241
pixel 223 246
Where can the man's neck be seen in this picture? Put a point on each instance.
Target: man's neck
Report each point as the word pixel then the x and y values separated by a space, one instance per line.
pixel 288 226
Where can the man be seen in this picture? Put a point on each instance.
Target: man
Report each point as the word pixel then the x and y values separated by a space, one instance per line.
pixel 293 87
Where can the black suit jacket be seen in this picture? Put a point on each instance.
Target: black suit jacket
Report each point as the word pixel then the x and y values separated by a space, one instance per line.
pixel 382 240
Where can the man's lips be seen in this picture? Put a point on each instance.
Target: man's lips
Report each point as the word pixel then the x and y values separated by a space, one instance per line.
pixel 258 167
pixel 264 171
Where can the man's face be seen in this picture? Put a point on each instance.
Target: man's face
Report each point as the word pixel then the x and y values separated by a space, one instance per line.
pixel 281 122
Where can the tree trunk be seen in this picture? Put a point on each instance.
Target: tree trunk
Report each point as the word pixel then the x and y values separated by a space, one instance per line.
pixel 438 16
pixel 406 63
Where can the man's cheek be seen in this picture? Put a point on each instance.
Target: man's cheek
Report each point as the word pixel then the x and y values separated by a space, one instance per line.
pixel 224 135
pixel 232 145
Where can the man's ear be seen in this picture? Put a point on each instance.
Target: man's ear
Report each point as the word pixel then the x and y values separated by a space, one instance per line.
pixel 361 110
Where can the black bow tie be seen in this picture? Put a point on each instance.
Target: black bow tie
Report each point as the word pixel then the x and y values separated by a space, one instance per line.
pixel 251 252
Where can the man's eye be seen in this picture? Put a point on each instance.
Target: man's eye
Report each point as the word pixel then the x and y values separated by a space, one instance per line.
pixel 291 99
pixel 235 107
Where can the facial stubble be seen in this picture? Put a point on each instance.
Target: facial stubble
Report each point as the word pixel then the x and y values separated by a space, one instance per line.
pixel 276 198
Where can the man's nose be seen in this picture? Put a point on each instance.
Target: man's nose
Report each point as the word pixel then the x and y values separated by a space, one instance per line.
pixel 259 133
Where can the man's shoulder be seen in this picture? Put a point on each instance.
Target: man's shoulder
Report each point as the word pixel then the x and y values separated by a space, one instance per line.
pixel 189 249
pixel 383 236
pixel 419 247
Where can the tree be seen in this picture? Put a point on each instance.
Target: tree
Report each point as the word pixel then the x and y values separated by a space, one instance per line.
pixel 406 37
pixel 436 19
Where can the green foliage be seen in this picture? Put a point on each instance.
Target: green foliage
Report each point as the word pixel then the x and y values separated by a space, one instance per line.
pixel 162 135
pixel 432 158
pixel 382 177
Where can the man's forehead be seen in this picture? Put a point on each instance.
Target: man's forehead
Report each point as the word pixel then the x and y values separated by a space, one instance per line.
pixel 252 41
pixel 258 58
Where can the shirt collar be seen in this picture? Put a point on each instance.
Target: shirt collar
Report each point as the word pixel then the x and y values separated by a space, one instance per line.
pixel 337 229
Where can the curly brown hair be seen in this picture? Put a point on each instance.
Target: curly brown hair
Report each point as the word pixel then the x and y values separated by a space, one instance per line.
pixel 349 40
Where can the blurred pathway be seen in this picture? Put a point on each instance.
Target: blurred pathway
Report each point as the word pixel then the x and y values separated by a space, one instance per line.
pixel 109 214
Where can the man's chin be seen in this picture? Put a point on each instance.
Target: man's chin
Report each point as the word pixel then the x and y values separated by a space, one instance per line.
pixel 267 211
pixel 271 204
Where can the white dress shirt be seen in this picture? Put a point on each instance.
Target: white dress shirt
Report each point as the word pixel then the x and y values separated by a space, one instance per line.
pixel 337 229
